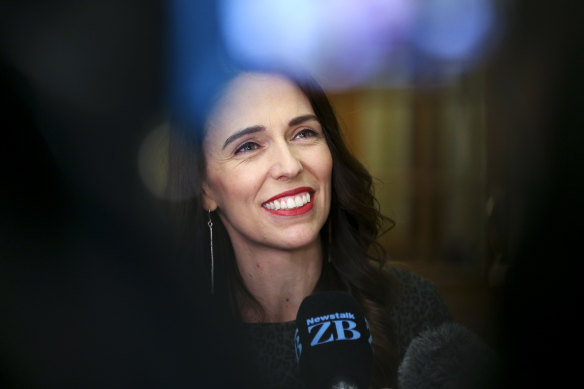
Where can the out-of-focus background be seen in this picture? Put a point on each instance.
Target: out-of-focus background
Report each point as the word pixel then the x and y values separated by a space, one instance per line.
pixel 464 111
pixel 426 147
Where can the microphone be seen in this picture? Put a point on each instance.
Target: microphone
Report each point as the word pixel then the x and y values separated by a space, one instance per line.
pixel 449 356
pixel 333 342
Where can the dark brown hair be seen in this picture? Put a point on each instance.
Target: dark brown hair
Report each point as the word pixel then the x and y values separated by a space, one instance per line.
pixel 349 236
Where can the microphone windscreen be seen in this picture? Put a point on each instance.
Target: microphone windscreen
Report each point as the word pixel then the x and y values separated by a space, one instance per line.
pixel 333 341
pixel 448 356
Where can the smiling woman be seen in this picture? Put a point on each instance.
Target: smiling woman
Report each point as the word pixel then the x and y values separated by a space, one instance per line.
pixel 279 158
pixel 279 209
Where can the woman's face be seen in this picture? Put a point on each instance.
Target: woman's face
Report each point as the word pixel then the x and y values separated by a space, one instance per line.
pixel 268 164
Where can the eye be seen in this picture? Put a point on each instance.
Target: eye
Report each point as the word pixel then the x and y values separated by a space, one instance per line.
pixel 246 147
pixel 306 133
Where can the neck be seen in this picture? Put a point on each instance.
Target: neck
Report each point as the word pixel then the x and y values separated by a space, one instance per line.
pixel 279 280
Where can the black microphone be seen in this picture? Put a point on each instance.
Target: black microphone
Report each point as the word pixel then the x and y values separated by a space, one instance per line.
pixel 333 342
pixel 449 356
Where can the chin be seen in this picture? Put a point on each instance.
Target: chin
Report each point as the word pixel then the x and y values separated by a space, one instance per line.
pixel 301 242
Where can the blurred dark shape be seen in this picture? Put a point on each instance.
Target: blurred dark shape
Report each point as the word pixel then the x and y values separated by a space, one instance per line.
pixel 93 292
pixel 535 104
pixel 449 356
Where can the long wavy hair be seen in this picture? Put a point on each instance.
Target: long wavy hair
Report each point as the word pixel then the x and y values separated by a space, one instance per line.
pixel 349 235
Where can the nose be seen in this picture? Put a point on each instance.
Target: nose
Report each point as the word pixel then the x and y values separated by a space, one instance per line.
pixel 286 163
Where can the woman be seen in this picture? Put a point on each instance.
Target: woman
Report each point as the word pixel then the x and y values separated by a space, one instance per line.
pixel 290 211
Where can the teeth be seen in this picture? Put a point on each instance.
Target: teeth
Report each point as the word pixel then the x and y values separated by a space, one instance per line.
pixel 298 201
pixel 289 202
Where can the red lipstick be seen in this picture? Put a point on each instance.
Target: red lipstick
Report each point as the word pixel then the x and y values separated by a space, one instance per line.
pixel 291 192
pixel 294 211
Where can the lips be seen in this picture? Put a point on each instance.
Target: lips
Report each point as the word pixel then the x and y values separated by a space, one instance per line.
pixel 290 203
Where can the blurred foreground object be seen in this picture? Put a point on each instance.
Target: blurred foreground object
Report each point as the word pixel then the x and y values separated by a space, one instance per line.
pixel 350 43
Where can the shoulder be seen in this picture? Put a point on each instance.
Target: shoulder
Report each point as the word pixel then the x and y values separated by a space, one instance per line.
pixel 417 306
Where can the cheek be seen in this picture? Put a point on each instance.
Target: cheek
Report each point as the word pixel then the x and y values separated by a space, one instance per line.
pixel 230 187
pixel 221 191
pixel 216 187
pixel 324 166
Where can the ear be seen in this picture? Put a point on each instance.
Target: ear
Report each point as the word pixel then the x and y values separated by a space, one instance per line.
pixel 207 198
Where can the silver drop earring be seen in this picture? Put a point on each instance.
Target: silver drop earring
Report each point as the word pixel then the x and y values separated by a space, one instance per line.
pixel 210 224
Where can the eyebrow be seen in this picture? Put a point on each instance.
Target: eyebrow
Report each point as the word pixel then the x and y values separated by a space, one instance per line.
pixel 301 119
pixel 245 131
pixel 253 129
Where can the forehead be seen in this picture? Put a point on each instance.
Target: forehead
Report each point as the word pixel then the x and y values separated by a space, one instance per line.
pixel 257 99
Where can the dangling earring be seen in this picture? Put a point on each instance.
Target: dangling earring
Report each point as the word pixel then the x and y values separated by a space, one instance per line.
pixel 210 224
pixel 330 242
